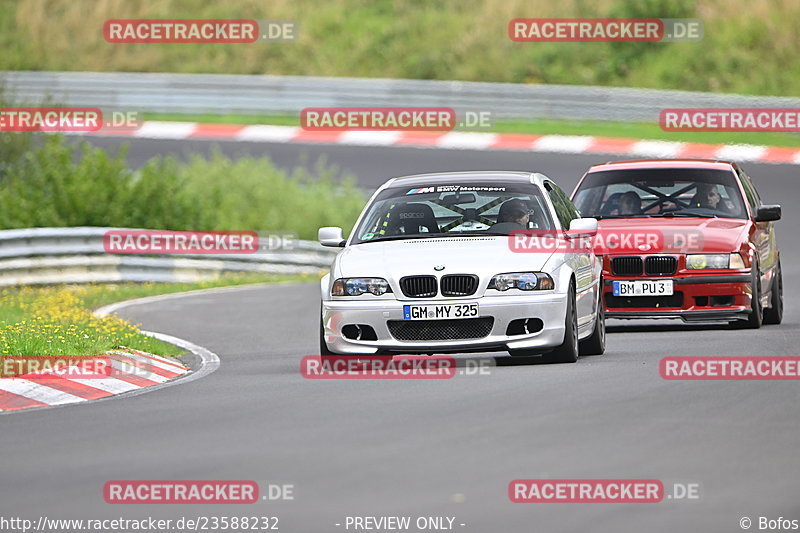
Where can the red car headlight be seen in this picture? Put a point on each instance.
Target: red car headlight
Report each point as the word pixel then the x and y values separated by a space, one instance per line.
pixel 714 261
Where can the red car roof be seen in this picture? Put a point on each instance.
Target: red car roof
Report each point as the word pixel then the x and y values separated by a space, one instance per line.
pixel 663 163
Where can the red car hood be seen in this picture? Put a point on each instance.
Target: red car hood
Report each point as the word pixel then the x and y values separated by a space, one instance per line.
pixel 712 235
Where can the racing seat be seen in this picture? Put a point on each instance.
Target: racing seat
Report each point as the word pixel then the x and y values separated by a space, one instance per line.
pixel 409 219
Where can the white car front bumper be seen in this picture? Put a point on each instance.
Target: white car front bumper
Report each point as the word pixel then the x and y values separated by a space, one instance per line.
pixel 548 307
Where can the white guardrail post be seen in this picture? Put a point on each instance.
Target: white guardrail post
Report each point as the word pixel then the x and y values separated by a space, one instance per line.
pixel 37 256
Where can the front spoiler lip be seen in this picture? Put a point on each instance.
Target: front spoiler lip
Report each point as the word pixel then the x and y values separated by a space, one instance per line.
pixel 686 316
pixel 491 343
pixel 467 349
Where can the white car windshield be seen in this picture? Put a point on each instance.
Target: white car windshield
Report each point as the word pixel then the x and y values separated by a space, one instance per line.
pixel 454 210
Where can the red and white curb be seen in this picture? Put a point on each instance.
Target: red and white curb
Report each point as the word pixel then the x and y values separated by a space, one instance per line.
pixel 34 392
pixel 71 385
pixel 572 144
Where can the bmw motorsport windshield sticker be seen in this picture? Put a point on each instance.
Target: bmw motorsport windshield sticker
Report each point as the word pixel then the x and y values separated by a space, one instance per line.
pixel 456 188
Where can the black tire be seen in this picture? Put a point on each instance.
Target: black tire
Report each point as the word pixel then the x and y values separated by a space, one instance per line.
pixel 567 352
pixel 595 344
pixel 774 313
pixel 756 317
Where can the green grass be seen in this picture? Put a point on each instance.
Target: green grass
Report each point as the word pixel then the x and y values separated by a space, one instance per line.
pixel 59 321
pixel 47 185
pixel 108 293
pixel 748 47
pixel 54 321
pixel 275 120
pixel 629 130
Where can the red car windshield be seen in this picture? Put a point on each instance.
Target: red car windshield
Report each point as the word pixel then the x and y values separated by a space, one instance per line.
pixel 661 192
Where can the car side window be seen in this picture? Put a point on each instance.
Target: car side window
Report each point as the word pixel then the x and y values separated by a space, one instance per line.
pixel 752 196
pixel 753 188
pixel 573 211
pixel 565 210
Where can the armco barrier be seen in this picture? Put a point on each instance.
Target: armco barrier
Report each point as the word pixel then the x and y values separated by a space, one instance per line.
pixel 37 256
pixel 251 94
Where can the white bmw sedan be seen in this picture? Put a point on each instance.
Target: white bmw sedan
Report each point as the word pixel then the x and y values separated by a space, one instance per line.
pixel 431 268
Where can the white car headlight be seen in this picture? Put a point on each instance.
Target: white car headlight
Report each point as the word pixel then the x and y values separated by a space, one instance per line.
pixel 524 281
pixel 359 286
pixel 705 261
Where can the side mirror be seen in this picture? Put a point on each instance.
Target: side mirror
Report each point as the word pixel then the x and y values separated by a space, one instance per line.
pixel 768 213
pixel 582 226
pixel 331 236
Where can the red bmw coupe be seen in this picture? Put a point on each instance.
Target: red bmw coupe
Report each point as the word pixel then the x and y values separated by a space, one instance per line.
pixel 685 239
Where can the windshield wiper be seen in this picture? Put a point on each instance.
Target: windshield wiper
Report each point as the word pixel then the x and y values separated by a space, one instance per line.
pixel 476 233
pixel 398 238
pixel 680 214
pixel 436 236
pixel 602 217
pixel 656 215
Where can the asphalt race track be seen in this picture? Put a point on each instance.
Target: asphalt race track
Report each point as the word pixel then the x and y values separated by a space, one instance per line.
pixel 437 447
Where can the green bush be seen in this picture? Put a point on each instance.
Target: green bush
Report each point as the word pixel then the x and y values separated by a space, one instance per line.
pixel 48 185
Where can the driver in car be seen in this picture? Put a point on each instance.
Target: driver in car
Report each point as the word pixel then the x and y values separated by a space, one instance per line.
pixel 708 197
pixel 514 214
pixel 630 204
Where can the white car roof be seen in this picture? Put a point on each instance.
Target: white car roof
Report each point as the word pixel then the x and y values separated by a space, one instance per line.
pixel 483 176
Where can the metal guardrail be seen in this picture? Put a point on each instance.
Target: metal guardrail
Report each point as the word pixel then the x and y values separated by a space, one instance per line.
pixel 38 256
pixel 250 94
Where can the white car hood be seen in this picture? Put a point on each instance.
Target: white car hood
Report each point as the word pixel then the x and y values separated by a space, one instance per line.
pixel 484 256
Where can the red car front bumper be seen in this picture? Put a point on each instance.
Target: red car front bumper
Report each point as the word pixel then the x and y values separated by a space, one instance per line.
pixel 696 297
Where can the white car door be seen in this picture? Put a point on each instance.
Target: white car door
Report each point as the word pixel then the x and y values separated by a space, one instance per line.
pixel 581 259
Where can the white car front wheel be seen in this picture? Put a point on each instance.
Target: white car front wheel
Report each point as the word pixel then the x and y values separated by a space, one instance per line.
pixel 595 344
